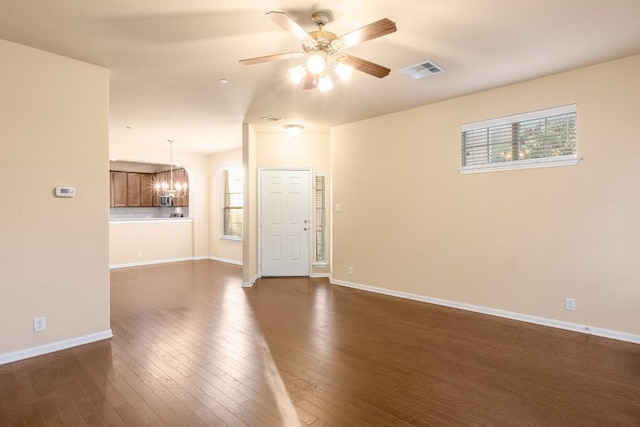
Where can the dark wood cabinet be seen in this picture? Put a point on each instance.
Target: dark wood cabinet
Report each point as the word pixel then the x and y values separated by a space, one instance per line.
pixel 118 189
pixel 132 189
pixel 180 175
pixel 146 190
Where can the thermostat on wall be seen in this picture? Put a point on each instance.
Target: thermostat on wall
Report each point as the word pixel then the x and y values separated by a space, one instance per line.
pixel 65 191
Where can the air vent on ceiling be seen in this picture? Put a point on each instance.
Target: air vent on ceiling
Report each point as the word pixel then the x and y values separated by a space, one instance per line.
pixel 422 70
pixel 272 119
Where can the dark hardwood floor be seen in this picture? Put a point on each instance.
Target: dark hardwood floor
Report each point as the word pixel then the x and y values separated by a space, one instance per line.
pixel 191 347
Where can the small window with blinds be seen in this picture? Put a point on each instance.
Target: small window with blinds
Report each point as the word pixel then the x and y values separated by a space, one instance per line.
pixel 232 205
pixel 536 139
pixel 320 218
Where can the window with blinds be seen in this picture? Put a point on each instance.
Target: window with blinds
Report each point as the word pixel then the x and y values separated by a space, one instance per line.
pixel 233 201
pixel 535 139
pixel 320 217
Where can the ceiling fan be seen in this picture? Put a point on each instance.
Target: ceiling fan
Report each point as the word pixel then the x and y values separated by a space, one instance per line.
pixel 324 49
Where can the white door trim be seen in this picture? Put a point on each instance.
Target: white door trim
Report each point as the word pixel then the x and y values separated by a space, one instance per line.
pixel 311 219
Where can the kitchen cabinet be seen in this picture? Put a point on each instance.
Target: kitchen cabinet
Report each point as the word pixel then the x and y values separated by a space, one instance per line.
pixel 159 178
pixel 133 189
pixel 118 189
pixel 146 190
pixel 180 175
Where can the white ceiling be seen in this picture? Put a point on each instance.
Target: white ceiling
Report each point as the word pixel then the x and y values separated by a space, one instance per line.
pixel 167 56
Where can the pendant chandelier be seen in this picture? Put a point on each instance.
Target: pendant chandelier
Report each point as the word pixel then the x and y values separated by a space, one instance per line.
pixel 171 188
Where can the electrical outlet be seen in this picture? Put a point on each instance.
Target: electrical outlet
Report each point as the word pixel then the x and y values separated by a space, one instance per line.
pixel 350 271
pixel 570 304
pixel 39 324
pixel 139 254
pixel 338 208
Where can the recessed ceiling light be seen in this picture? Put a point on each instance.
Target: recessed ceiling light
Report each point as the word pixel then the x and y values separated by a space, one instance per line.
pixel 223 81
pixel 272 118
pixel 129 127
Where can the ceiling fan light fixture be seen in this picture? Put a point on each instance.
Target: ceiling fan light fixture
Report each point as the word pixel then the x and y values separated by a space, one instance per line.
pixel 316 63
pixel 297 73
pixel 323 51
pixel 294 130
pixel 324 83
pixel 344 71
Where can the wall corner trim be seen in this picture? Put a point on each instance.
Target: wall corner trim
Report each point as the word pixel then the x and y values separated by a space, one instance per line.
pixel 14 356
pixel 227 260
pixel 574 327
pixel 251 282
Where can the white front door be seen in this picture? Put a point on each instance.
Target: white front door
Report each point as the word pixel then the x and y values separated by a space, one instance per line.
pixel 285 222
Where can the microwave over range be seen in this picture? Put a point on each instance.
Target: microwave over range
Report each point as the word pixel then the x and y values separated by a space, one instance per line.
pixel 166 200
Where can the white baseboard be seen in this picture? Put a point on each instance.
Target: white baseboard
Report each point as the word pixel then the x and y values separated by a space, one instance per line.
pixel 251 282
pixel 585 329
pixel 54 346
pixel 327 275
pixel 165 261
pixel 152 262
pixel 227 260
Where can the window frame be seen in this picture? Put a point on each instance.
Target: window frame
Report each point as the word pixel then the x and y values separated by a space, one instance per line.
pixel 516 122
pixel 320 220
pixel 224 208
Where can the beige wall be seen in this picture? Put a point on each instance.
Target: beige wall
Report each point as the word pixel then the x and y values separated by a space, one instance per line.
pixel 519 241
pixel 221 249
pixel 125 251
pixel 307 150
pixel 140 242
pixel 54 254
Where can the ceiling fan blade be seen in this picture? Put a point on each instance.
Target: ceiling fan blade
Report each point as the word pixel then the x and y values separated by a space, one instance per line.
pixel 269 58
pixel 310 81
pixel 368 32
pixel 367 67
pixel 290 25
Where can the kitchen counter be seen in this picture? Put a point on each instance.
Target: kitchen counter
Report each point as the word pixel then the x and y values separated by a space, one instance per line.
pixel 147 220
pixel 148 213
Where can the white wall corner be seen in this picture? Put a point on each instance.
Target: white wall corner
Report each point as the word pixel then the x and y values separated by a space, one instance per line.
pixel 327 275
pixel 227 260
pixel 251 282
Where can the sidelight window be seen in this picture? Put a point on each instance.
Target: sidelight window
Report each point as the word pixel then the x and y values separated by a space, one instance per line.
pixel 233 203
pixel 320 219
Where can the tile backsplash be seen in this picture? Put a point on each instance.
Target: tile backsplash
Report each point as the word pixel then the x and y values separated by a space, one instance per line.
pixel 148 213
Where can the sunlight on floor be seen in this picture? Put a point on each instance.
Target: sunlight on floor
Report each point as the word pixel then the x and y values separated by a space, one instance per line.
pixel 286 410
pixel 285 406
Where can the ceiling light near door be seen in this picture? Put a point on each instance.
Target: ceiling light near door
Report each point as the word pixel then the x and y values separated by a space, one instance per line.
pixel 294 130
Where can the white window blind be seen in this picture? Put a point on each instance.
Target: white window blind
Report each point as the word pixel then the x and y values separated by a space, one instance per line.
pixel 233 201
pixel 535 139
pixel 320 218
